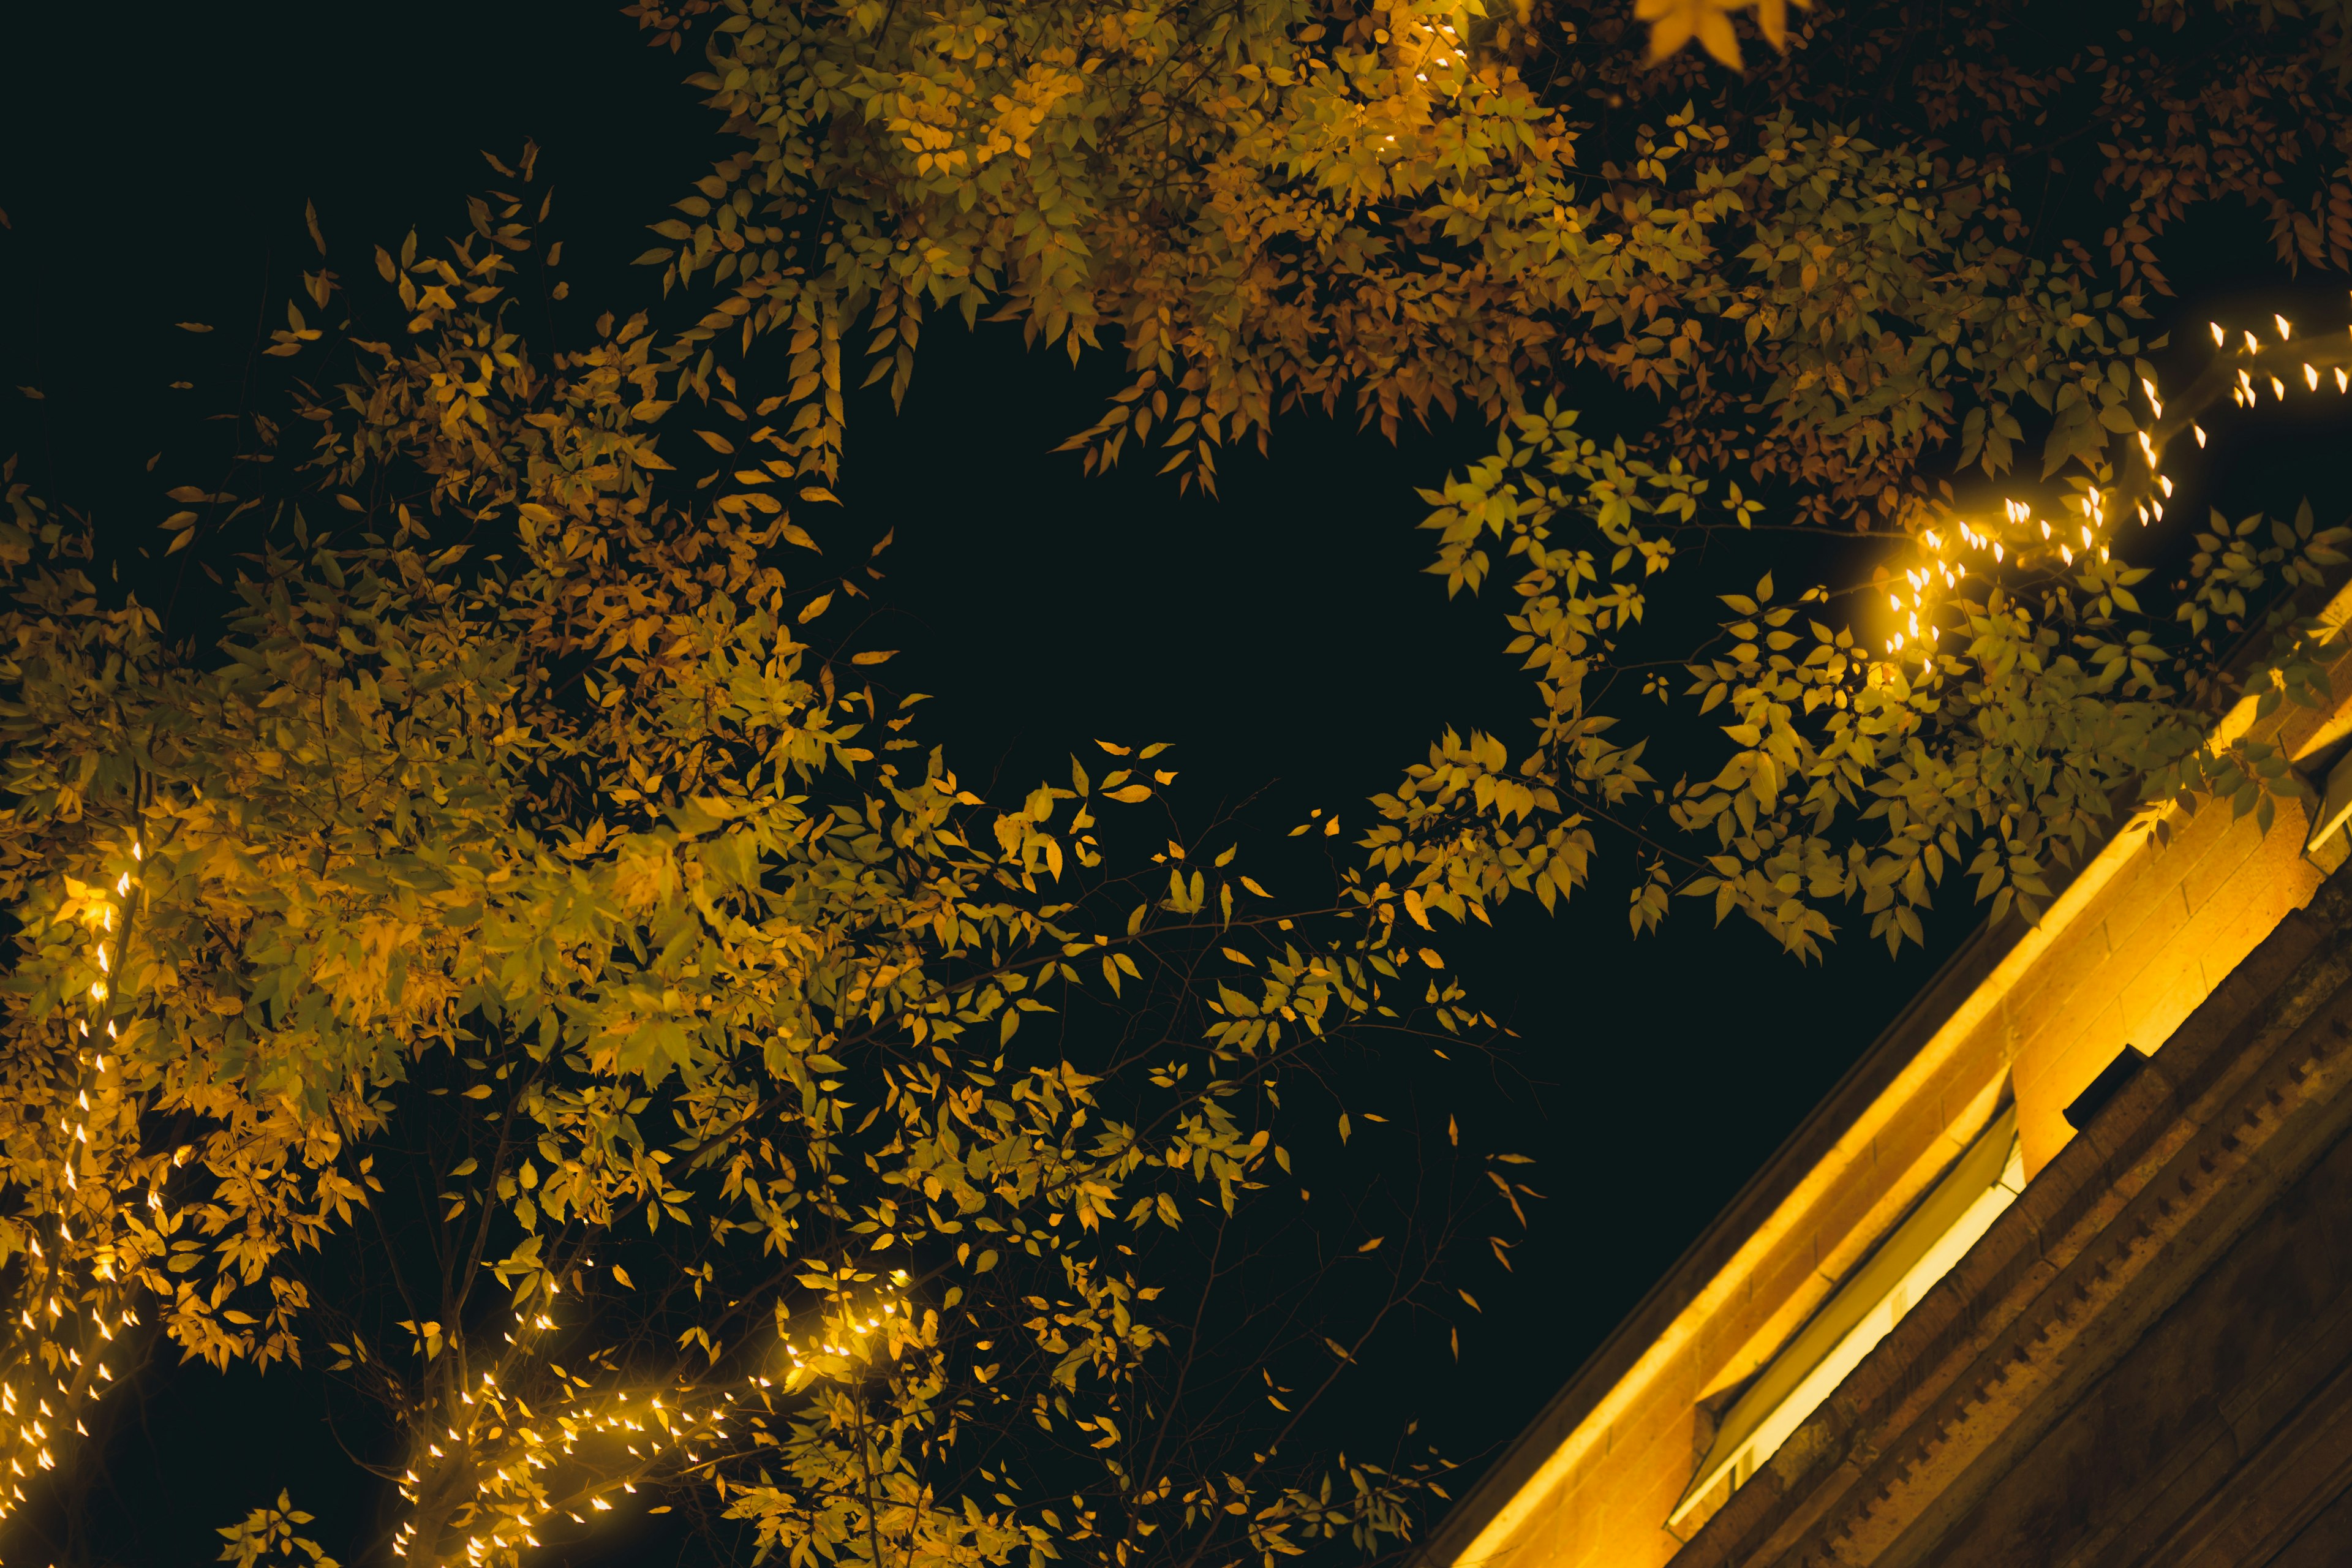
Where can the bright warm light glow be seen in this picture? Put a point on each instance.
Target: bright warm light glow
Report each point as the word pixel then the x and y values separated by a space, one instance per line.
pixel 1918 1255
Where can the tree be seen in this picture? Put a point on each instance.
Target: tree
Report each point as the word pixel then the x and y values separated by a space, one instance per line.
pixel 507 961
pixel 1826 298
pixel 517 872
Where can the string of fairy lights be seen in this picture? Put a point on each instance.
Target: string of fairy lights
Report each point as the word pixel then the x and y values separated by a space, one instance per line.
pixel 2081 531
pixel 49 1365
pixel 492 1480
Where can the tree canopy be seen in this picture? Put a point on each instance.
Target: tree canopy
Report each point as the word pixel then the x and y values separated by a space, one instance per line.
pixel 515 968
pixel 1830 295
pixel 498 948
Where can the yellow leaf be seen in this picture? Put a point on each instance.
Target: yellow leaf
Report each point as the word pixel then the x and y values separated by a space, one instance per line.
pixel 715 441
pixel 814 608
pixel 874 656
pixel 623 1276
pixel 1674 23
pixel 1772 17
pixel 1131 794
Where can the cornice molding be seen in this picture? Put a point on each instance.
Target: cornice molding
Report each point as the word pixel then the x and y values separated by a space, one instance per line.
pixel 2250 1089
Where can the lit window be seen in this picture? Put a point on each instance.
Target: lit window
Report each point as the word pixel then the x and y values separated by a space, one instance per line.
pixel 1863 1311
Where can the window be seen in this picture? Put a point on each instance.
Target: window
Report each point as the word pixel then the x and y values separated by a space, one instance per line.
pixel 1863 1311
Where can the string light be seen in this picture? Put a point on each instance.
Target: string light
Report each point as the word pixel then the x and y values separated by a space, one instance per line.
pixel 505 1458
pixel 2085 534
pixel 73 1305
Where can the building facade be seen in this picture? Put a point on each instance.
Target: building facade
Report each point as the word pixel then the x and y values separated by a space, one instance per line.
pixel 2061 1273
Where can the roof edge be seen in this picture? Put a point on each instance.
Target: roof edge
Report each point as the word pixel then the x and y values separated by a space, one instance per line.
pixel 1945 992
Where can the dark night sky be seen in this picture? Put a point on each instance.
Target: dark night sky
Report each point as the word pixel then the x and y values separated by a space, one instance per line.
pixel 1282 635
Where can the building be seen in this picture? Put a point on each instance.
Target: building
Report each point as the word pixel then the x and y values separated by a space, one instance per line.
pixel 2060 1273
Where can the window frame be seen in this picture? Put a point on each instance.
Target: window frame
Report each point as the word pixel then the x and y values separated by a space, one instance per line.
pixel 1863 1309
